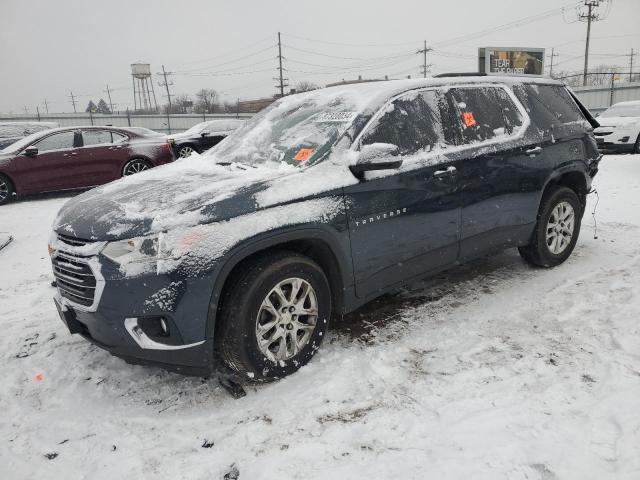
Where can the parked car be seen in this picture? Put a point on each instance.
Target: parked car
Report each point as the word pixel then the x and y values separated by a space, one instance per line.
pixel 76 157
pixel 11 132
pixel 203 136
pixel 318 204
pixel 619 130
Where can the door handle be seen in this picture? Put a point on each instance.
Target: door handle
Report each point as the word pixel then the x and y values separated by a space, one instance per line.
pixel 449 172
pixel 532 152
pixel 115 148
pixel 69 154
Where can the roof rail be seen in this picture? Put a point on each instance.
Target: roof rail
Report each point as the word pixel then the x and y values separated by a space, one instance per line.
pixel 461 74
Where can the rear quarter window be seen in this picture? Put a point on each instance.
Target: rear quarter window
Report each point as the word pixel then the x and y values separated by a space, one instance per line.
pixel 551 109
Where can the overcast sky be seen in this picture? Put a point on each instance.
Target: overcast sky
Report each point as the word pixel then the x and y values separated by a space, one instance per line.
pixel 51 47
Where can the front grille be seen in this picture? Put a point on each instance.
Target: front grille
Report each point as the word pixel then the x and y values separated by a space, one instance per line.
pixel 75 279
pixel 73 241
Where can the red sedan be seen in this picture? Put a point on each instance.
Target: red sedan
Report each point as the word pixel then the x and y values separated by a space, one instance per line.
pixel 77 157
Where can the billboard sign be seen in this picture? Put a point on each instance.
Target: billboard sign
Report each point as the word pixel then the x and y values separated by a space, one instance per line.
pixel 511 61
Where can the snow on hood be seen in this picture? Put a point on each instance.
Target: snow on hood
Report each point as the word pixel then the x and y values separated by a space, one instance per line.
pixel 617 121
pixel 191 191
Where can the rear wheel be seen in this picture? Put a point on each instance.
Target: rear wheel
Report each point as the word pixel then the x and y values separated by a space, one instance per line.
pixel 134 166
pixel 274 316
pixel 636 147
pixel 557 228
pixel 6 190
pixel 185 151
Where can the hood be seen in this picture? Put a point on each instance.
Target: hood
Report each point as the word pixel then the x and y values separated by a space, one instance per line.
pixel 189 192
pixel 617 121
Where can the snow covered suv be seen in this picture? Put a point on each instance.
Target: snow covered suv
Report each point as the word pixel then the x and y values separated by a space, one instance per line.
pixel 619 130
pixel 318 204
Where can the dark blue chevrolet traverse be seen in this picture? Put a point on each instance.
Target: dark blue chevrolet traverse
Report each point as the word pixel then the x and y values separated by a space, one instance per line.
pixel 318 204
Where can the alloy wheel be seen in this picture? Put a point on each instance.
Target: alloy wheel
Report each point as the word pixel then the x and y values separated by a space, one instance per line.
pixel 134 167
pixel 560 227
pixel 185 152
pixel 287 317
pixel 4 190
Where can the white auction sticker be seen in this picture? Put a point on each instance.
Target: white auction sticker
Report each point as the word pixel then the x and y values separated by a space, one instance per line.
pixel 336 116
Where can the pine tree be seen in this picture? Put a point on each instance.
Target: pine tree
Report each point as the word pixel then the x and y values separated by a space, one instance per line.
pixel 91 107
pixel 103 107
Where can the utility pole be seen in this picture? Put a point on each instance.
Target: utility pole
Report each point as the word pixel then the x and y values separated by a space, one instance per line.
pixel 38 112
pixel 590 15
pixel 73 101
pixel 166 85
pixel 424 51
pixel 109 95
pixel 631 55
pixel 26 110
pixel 281 78
pixel 552 56
pixel 46 106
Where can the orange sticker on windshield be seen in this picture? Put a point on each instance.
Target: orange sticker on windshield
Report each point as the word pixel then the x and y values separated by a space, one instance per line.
pixel 304 154
pixel 468 119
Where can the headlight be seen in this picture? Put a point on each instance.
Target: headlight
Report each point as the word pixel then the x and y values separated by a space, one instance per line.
pixel 133 250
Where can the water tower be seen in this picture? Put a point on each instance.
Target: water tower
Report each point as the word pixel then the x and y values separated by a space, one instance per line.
pixel 141 74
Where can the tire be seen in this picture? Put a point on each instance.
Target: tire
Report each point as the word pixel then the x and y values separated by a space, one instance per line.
pixel 6 190
pixel 557 203
pixel 186 150
pixel 636 147
pixel 134 166
pixel 244 320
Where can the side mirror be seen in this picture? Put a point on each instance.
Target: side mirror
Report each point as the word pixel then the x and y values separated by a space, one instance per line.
pixel 31 151
pixel 204 133
pixel 597 114
pixel 376 156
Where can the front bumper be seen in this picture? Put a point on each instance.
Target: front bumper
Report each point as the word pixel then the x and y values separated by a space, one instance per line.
pixel 125 316
pixel 612 141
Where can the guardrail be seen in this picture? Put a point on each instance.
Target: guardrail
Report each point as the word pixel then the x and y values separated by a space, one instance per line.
pixel 157 122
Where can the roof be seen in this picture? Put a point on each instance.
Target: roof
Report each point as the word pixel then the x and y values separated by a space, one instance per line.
pixel 371 95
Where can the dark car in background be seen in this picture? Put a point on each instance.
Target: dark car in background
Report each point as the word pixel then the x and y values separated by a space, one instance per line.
pixel 11 132
pixel 77 157
pixel 322 202
pixel 203 136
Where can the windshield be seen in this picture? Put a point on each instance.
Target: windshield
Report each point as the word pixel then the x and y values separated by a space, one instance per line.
pixel 197 128
pixel 298 130
pixel 632 110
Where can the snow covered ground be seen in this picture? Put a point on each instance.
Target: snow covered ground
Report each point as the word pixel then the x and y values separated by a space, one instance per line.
pixel 494 370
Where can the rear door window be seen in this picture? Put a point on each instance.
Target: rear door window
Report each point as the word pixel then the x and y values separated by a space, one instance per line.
pixel 57 141
pixel 484 114
pixel 96 137
pixel 412 122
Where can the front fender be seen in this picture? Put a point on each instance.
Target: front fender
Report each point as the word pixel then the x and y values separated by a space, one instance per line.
pixel 334 236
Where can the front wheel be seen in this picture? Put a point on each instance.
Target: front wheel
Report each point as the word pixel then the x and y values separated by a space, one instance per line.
pixel 135 166
pixel 557 228
pixel 636 147
pixel 6 190
pixel 274 316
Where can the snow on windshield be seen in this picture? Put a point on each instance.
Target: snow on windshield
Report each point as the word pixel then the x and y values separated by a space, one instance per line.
pixel 297 130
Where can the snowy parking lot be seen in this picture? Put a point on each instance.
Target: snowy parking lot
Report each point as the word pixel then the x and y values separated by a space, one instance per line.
pixel 495 370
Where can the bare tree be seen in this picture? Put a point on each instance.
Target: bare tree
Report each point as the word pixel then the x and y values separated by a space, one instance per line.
pixel 182 103
pixel 305 86
pixel 206 100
